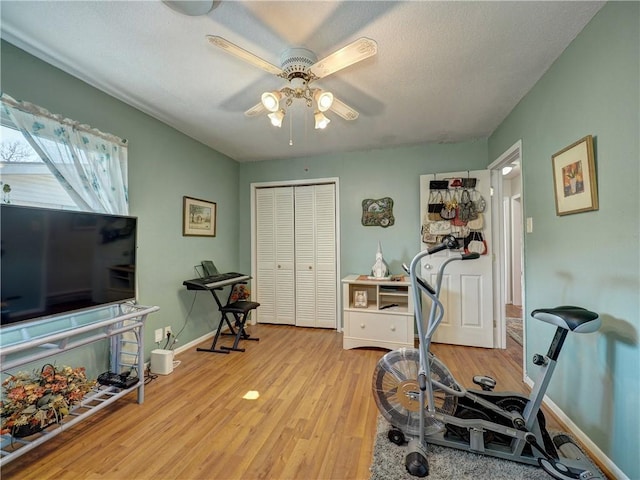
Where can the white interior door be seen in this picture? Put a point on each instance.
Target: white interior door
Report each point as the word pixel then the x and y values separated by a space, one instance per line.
pixel 467 287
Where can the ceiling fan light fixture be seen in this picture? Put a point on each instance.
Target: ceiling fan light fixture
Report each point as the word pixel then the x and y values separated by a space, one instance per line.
pixel 276 118
pixel 323 99
pixel 321 120
pixel 271 100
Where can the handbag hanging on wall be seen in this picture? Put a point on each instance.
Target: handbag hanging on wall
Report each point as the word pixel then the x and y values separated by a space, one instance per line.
pixel 448 212
pixel 438 184
pixel 477 223
pixel 475 243
pixel 435 205
pixel 468 183
pixel 479 202
pixel 457 221
pixel 467 208
pixel 442 227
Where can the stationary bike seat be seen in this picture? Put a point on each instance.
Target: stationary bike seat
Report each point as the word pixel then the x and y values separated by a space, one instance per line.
pixel 575 319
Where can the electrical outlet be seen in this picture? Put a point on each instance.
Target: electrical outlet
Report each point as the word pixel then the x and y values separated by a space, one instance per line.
pixel 167 331
pixel 158 335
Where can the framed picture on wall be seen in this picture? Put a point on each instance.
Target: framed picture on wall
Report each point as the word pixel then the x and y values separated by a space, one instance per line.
pixel 198 217
pixel 574 178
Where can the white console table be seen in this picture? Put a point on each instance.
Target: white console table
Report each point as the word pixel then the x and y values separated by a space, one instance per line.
pixel 28 342
pixel 386 317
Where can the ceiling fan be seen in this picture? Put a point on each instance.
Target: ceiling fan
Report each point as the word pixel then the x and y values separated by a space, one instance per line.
pixel 300 67
pixel 193 8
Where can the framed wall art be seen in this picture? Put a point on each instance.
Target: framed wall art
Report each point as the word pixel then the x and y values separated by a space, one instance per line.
pixel 198 217
pixel 377 212
pixel 574 178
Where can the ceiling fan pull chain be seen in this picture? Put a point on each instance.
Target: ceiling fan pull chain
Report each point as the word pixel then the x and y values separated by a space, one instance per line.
pixel 290 127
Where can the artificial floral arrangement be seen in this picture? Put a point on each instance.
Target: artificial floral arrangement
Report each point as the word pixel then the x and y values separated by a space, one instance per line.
pixel 32 401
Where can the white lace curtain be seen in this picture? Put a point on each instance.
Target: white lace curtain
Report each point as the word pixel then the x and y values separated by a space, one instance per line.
pixel 89 164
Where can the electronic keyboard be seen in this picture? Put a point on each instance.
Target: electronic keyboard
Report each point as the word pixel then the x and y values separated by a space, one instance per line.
pixel 216 281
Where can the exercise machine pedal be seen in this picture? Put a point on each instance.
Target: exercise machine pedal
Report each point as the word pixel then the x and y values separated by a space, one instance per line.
pixel 486 383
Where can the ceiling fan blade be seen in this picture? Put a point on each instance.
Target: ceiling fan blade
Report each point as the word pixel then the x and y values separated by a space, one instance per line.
pixel 344 110
pixel 241 53
pixel 354 52
pixel 255 110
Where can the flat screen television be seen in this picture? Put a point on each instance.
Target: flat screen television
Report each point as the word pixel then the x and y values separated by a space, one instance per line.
pixel 59 261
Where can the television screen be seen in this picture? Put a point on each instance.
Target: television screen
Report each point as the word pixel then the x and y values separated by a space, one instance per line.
pixel 57 261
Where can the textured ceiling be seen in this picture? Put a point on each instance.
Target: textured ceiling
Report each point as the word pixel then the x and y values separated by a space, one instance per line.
pixel 444 72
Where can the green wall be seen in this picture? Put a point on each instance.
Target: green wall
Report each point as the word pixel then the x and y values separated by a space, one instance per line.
pixel 393 172
pixel 164 165
pixel 588 259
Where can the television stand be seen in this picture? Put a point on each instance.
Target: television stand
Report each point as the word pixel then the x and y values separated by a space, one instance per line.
pixel 24 343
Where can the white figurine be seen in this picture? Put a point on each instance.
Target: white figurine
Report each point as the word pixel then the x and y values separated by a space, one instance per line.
pixel 380 269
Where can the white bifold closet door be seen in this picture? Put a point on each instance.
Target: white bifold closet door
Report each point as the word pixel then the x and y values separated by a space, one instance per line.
pixel 315 245
pixel 275 282
pixel 296 281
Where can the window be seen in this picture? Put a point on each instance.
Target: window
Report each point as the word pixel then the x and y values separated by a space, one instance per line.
pixel 90 166
pixel 24 177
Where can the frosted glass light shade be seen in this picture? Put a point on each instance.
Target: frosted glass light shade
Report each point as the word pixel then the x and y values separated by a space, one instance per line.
pixel 271 100
pixel 324 100
pixel 276 118
pixel 321 120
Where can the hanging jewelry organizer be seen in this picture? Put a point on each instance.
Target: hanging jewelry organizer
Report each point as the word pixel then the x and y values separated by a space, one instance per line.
pixel 455 207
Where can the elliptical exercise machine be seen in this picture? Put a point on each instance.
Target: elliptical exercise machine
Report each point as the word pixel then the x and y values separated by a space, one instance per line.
pixel 506 425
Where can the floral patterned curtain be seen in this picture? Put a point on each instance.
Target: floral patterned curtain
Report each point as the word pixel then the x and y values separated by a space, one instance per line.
pixel 90 165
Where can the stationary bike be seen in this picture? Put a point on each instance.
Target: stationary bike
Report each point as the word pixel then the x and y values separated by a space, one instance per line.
pixel 419 397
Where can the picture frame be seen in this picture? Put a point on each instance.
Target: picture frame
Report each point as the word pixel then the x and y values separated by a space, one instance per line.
pixel 198 217
pixel 360 299
pixel 574 178
pixel 377 212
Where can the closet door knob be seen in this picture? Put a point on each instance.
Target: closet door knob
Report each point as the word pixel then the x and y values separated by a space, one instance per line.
pixel 362 325
pixel 310 267
pixel 393 328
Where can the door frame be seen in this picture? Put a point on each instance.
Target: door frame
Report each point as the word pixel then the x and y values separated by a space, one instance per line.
pixel 512 154
pixel 515 205
pixel 289 183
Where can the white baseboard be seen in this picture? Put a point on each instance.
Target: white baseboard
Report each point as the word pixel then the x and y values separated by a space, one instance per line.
pixel 193 343
pixel 593 449
pixel 199 340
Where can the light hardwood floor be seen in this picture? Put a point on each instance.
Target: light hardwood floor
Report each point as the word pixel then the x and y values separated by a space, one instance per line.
pixel 315 417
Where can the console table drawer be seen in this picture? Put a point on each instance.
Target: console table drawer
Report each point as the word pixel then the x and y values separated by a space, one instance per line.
pixel 377 326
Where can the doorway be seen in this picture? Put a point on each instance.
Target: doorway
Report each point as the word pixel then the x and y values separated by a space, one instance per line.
pixel 514 319
pixel 506 177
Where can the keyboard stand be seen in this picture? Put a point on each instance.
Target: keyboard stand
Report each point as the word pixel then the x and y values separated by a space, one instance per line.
pixel 240 311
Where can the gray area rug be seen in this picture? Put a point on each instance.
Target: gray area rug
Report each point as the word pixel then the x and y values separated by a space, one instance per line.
pixel 445 463
pixel 514 329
